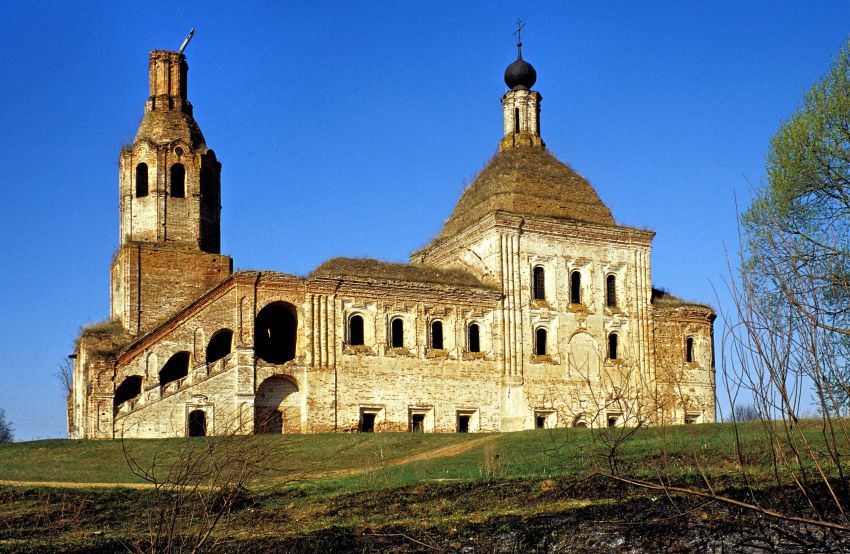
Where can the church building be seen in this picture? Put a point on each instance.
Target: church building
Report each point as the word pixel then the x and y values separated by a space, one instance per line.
pixel 531 309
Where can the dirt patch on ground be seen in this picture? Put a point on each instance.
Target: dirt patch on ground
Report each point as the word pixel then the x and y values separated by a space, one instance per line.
pixel 441 452
pixel 75 485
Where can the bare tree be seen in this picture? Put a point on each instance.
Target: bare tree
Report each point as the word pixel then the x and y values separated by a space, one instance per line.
pixel 744 412
pixel 65 375
pixel 6 434
pixel 202 484
pixel 787 336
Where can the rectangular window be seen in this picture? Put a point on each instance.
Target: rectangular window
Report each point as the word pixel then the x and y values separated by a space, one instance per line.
pixel 367 423
pixel 467 421
pixel 417 423
pixel 420 419
pixel 370 419
pixel 545 419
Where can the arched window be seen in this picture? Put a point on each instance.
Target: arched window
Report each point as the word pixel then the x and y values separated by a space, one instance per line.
pixel 539 283
pixel 178 181
pixel 175 368
pixel 575 287
pixel 437 335
pixel 355 330
pixel 689 350
pixel 610 291
pixel 397 333
pixel 220 345
pixel 474 338
pixel 540 342
pixel 612 346
pixel 516 120
pixel 197 423
pixel 141 180
pixel 275 332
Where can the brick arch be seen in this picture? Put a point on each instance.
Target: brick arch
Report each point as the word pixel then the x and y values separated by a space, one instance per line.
pixel 277 406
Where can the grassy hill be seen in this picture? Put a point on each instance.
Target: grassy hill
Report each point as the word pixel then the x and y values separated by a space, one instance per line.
pixel 401 491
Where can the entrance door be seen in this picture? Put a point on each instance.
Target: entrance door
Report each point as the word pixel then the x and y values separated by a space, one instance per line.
pixel 197 423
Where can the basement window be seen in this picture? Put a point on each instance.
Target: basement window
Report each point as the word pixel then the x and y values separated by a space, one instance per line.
pixel 544 419
pixel 417 423
pixel 367 421
pixel 420 419
pixel 141 180
pixel 467 420
pixel 178 181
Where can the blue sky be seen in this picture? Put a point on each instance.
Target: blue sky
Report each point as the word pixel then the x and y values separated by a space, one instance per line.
pixel 351 128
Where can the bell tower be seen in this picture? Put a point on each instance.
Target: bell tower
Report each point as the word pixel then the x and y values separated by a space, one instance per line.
pixel 521 105
pixel 169 206
pixel 170 181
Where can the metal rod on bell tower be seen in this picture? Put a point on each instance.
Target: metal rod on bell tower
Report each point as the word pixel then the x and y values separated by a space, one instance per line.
pixel 186 41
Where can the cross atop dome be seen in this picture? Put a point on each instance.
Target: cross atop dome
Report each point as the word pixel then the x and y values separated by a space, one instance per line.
pixel 520 25
pixel 520 75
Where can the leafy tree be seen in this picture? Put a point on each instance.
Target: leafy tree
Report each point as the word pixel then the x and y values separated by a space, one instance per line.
pixel 798 234
pixel 5 428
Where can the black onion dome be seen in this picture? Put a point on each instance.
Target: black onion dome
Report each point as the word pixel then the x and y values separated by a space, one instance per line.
pixel 520 75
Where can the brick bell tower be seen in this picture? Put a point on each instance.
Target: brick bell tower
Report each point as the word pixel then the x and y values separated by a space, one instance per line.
pixel 169 205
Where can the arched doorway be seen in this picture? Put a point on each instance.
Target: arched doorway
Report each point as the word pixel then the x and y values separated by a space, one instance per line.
pixel 277 407
pixel 197 424
pixel 275 333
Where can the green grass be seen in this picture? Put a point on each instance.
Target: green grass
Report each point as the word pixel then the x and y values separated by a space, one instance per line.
pixel 104 461
pixel 346 491
pixel 326 458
